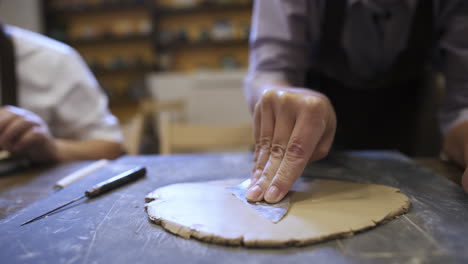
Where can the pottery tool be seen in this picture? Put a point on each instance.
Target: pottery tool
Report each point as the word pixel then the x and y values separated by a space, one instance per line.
pixel 273 212
pixel 81 173
pixel 100 188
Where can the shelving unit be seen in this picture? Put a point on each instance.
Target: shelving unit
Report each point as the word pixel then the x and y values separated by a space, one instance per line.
pixel 115 38
pixel 107 39
pixel 203 8
pixel 86 9
pixel 200 38
pixel 101 70
pixel 123 40
pixel 204 44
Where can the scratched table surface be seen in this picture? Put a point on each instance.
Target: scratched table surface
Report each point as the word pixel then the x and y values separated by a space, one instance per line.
pixel 115 228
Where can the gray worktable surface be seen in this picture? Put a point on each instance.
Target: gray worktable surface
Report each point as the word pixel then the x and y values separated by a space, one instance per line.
pixel 115 229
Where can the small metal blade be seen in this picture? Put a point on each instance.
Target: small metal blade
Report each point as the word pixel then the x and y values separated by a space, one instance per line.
pixel 273 212
pixel 53 210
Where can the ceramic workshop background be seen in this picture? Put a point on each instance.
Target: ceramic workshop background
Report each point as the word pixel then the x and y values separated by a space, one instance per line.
pixel 141 50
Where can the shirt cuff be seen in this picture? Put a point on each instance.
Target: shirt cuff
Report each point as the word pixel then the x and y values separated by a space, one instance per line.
pixel 257 79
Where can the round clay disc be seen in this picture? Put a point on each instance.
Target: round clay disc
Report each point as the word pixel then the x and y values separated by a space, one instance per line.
pixel 319 210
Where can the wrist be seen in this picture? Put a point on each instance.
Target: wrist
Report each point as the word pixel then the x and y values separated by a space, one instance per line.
pixel 254 93
pixel 46 152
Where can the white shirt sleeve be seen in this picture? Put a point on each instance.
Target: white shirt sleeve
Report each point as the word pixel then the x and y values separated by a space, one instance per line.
pixel 81 110
pixel 55 83
pixel 278 43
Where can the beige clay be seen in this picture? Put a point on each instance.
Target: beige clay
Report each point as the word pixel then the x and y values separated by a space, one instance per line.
pixel 319 210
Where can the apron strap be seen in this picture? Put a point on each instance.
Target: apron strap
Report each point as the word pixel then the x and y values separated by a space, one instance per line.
pixel 419 45
pixel 330 49
pixel 8 75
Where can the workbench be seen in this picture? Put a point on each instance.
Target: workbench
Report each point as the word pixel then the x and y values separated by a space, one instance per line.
pixel 114 228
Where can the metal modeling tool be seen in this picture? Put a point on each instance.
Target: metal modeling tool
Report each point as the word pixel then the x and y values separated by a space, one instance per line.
pixel 273 212
pixel 102 187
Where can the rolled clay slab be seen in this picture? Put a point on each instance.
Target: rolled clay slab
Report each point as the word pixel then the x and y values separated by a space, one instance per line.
pixel 319 210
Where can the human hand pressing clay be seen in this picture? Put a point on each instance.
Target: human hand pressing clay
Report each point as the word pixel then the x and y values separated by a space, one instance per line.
pixel 319 210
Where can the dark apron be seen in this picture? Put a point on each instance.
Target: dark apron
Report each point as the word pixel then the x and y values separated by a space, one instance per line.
pixel 8 75
pixel 382 113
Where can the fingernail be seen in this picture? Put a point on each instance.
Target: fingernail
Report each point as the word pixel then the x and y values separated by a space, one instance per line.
pixel 272 195
pixel 254 193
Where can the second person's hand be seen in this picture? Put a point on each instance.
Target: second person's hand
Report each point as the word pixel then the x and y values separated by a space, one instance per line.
pixel 291 127
pixel 24 133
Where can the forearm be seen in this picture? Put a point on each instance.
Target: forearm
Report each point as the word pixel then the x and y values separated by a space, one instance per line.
pixel 278 46
pixel 69 150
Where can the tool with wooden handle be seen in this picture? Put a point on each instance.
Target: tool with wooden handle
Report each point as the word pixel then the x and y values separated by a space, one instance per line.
pixel 102 187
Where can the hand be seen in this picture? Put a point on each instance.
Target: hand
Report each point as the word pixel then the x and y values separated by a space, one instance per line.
pixel 455 147
pixel 26 134
pixel 291 127
pixel 465 180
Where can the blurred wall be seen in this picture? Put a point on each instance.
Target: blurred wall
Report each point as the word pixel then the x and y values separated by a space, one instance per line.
pixel 22 13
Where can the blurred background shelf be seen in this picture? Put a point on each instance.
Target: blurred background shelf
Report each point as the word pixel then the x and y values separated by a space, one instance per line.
pixel 203 44
pixel 108 39
pixel 101 8
pixel 125 41
pixel 140 69
pixel 170 11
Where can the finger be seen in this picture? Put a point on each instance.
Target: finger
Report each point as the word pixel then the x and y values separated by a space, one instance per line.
pixel 257 120
pixel 266 133
pixel 254 178
pixel 29 139
pixel 281 135
pixel 325 143
pixel 307 132
pixel 5 118
pixel 257 126
pixel 267 124
pixel 14 131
